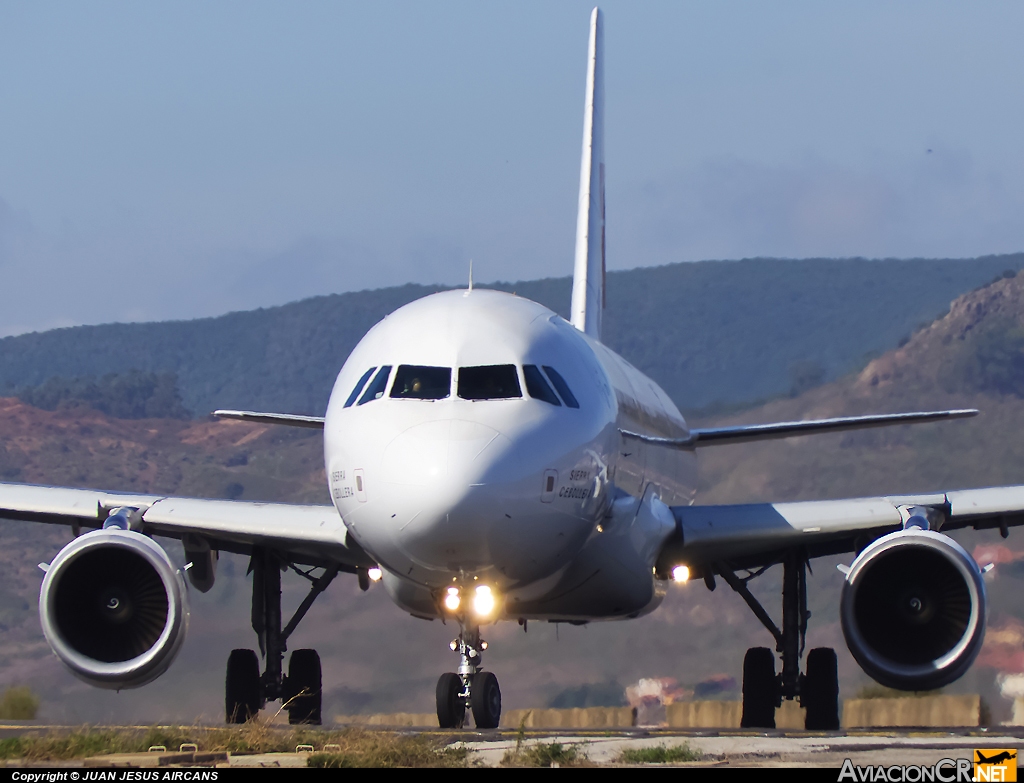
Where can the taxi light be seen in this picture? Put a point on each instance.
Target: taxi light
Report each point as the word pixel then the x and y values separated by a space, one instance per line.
pixel 374 573
pixel 452 601
pixel 483 601
pixel 680 573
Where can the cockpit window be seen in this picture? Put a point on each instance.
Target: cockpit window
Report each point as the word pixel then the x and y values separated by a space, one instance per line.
pixel 562 386
pixel 422 383
pixel 359 387
pixel 537 387
pixel 491 382
pixel 376 388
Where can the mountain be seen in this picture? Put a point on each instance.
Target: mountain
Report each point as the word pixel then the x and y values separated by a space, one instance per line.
pixel 711 333
pixel 376 658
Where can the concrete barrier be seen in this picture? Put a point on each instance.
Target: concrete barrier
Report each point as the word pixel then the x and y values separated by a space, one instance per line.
pixel 857 713
pixel 392 719
pixel 911 711
pixel 575 718
pixel 726 715
pixel 704 714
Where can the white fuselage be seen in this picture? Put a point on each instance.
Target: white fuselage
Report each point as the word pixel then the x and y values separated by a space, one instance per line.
pixel 535 498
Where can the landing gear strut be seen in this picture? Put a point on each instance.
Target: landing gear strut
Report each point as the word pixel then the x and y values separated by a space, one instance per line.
pixel 470 688
pixel 763 689
pixel 246 690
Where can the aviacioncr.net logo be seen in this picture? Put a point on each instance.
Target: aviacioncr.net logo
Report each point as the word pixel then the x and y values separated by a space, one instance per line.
pixel 943 771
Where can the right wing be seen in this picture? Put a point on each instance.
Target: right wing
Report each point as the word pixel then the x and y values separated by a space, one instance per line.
pixel 746 433
pixel 312 535
pixel 754 534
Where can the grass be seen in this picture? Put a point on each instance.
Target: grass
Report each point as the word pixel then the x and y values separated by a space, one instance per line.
pixel 357 747
pixel 660 754
pixel 545 755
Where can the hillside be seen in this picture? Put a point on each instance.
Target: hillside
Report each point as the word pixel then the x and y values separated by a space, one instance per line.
pixel 697 637
pixel 716 332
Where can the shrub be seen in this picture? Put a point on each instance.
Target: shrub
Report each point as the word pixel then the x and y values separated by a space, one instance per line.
pixel 19 703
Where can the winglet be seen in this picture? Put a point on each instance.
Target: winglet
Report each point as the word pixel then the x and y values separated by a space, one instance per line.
pixel 589 270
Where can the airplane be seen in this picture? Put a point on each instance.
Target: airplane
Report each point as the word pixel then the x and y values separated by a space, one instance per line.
pixel 999 758
pixel 490 461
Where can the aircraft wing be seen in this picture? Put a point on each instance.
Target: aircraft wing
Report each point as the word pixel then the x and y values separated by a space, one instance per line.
pixel 754 534
pixel 313 535
pixel 287 419
pixel 746 433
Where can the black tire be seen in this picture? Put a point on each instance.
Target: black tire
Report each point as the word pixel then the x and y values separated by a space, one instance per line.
pixel 760 689
pixel 304 678
pixel 820 692
pixel 485 700
pixel 242 687
pixel 451 712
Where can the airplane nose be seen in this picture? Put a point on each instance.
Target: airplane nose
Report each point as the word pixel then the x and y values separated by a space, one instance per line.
pixel 458 496
pixel 444 455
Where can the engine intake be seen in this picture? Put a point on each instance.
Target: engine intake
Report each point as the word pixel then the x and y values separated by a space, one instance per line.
pixel 913 610
pixel 114 608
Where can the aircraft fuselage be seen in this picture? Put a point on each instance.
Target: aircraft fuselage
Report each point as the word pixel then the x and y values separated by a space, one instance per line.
pixel 488 477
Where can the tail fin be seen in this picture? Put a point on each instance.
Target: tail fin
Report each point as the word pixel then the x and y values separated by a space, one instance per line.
pixel 588 275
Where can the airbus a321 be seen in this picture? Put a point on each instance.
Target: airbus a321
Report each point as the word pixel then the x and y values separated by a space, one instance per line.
pixel 490 461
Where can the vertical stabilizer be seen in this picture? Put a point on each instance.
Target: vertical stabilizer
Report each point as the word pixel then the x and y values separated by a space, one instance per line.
pixel 588 275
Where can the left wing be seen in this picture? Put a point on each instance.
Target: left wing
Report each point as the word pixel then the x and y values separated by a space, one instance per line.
pixel 755 534
pixel 287 419
pixel 312 535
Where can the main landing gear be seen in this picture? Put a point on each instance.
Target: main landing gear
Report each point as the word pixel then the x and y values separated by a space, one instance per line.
pixel 246 691
pixel 470 688
pixel 763 689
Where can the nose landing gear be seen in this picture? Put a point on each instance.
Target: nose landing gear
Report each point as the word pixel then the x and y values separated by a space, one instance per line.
pixel 470 688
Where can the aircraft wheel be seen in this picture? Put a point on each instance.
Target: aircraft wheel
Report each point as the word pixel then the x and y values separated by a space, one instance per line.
pixel 242 687
pixel 451 712
pixel 820 695
pixel 304 675
pixel 485 699
pixel 760 689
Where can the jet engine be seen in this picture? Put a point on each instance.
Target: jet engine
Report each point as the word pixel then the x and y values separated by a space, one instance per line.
pixel 913 610
pixel 114 608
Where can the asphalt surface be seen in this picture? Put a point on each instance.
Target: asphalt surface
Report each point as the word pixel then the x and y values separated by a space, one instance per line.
pixel 744 748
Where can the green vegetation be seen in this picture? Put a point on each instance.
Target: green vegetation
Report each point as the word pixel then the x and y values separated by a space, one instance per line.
pixel 357 748
pixel 379 749
pixel 711 333
pixel 994 360
pixel 132 395
pixel 19 703
pixel 660 754
pixel 595 694
pixel 545 755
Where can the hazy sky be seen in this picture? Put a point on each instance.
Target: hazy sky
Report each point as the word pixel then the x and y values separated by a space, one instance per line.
pixel 171 160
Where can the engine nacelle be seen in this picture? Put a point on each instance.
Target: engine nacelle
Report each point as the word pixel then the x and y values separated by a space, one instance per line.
pixel 114 608
pixel 913 610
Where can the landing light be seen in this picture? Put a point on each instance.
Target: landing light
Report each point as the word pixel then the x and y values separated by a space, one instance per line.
pixel 680 573
pixel 374 573
pixel 483 601
pixel 452 600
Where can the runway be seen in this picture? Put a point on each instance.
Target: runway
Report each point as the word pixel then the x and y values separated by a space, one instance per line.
pixel 771 749
pixel 727 748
